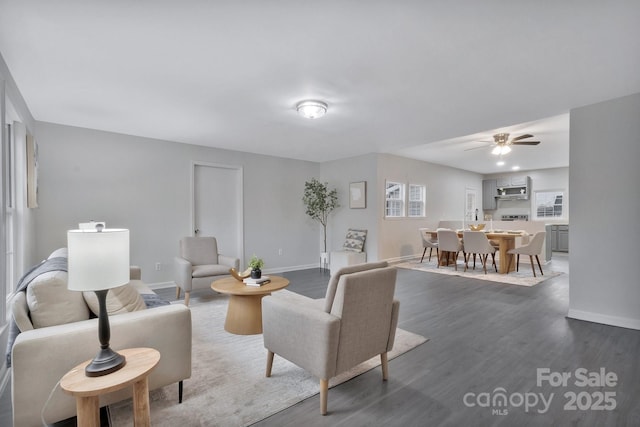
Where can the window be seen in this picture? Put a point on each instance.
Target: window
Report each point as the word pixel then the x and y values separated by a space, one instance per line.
pixel 394 195
pixel 416 200
pixel 549 204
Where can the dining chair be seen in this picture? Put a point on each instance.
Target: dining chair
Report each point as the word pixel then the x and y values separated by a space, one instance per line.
pixel 533 248
pixel 449 244
pixel 428 243
pixel 476 243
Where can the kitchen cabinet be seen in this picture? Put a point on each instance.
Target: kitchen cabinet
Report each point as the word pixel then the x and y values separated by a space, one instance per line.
pixel 517 187
pixel 489 202
pixel 560 237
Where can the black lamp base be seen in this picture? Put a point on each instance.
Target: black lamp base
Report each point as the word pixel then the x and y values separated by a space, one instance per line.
pixel 105 362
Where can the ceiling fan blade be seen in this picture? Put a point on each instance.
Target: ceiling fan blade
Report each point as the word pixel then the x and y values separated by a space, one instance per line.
pixel 476 148
pixel 525 143
pixel 525 136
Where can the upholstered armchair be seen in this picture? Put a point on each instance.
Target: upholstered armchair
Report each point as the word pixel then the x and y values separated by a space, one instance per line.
pixel 199 264
pixel 352 251
pixel 356 321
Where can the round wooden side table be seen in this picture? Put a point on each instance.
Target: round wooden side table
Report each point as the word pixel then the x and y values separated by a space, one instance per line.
pixel 244 314
pixel 87 390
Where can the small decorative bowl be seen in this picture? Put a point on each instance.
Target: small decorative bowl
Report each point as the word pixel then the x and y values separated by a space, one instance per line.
pixel 477 227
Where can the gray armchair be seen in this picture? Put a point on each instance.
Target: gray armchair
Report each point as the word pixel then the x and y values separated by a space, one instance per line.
pixel 356 321
pixel 199 264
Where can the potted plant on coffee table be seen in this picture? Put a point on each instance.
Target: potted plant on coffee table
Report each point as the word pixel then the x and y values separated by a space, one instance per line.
pixel 256 265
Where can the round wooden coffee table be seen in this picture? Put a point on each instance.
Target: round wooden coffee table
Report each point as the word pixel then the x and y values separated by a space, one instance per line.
pixel 244 314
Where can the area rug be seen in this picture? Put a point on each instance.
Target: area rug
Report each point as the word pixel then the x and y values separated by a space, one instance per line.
pixel 524 277
pixel 228 386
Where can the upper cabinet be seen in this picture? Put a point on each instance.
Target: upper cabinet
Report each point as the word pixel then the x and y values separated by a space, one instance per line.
pixel 515 187
pixel 489 202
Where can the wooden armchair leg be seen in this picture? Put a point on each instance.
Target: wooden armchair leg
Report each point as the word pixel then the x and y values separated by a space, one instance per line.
pixel 324 390
pixel 269 362
pixel 177 292
pixel 384 362
pixel 424 252
pixel 187 294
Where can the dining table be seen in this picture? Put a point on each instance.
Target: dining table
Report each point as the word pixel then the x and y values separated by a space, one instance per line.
pixel 506 240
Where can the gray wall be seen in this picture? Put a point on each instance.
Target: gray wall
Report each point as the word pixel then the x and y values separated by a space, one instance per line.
pixel 398 237
pixel 144 185
pixel 339 174
pixel 604 179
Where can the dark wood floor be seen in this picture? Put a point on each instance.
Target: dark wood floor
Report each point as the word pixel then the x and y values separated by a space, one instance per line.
pixel 482 336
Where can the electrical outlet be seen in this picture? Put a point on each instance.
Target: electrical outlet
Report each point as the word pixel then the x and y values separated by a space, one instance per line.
pixel 158 266
pixel 280 251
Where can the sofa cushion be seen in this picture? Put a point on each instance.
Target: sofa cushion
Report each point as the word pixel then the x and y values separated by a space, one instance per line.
pixel 51 303
pixel 209 270
pixel 354 242
pixel 122 299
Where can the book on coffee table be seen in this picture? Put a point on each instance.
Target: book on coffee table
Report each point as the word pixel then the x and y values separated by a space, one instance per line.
pixel 256 282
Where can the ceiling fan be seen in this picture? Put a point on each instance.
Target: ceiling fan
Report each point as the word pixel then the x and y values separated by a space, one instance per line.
pixel 502 143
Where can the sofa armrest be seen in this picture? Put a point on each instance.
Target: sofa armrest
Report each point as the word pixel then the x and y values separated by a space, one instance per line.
pixel 42 356
pixel 182 273
pixel 230 261
pixel 302 334
pixel 20 311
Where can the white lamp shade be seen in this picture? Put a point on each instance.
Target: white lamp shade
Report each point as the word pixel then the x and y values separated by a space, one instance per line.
pixel 98 260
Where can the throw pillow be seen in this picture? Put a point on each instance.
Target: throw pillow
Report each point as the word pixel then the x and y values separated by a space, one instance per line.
pixel 61 252
pixel 122 299
pixel 51 303
pixel 354 241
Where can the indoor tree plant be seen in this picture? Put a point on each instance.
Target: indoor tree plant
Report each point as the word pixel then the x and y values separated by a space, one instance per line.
pixel 320 202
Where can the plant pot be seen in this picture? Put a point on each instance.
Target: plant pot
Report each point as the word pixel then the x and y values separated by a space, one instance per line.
pixel 256 273
pixel 324 259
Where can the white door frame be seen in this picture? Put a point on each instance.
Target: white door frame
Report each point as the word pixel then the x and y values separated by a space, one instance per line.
pixel 239 206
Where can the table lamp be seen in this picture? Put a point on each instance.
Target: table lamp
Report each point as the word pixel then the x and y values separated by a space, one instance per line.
pixel 99 261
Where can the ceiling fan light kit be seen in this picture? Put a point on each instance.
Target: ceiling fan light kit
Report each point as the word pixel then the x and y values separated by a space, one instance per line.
pixel 503 144
pixel 311 109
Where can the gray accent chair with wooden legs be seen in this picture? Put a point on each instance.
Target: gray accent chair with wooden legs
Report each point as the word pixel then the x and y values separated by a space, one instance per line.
pixel 199 264
pixel 476 242
pixel 449 244
pixel 533 248
pixel 428 243
pixel 356 321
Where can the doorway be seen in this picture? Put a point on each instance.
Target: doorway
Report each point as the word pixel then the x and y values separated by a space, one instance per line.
pixel 471 212
pixel 217 206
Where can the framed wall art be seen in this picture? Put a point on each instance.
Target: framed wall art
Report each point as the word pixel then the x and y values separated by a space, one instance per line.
pixel 358 195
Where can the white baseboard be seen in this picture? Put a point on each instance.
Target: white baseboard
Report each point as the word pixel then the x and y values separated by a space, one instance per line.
pixel 402 258
pixel 605 319
pixel 164 285
pixel 291 268
pixel 161 285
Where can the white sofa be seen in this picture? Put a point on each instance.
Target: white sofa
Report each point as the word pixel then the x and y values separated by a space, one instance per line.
pixel 42 355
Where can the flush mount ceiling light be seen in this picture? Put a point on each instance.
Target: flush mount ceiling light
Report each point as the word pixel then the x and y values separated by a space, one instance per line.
pixel 311 109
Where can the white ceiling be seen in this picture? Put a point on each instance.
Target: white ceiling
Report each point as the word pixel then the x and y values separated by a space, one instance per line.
pixel 423 79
